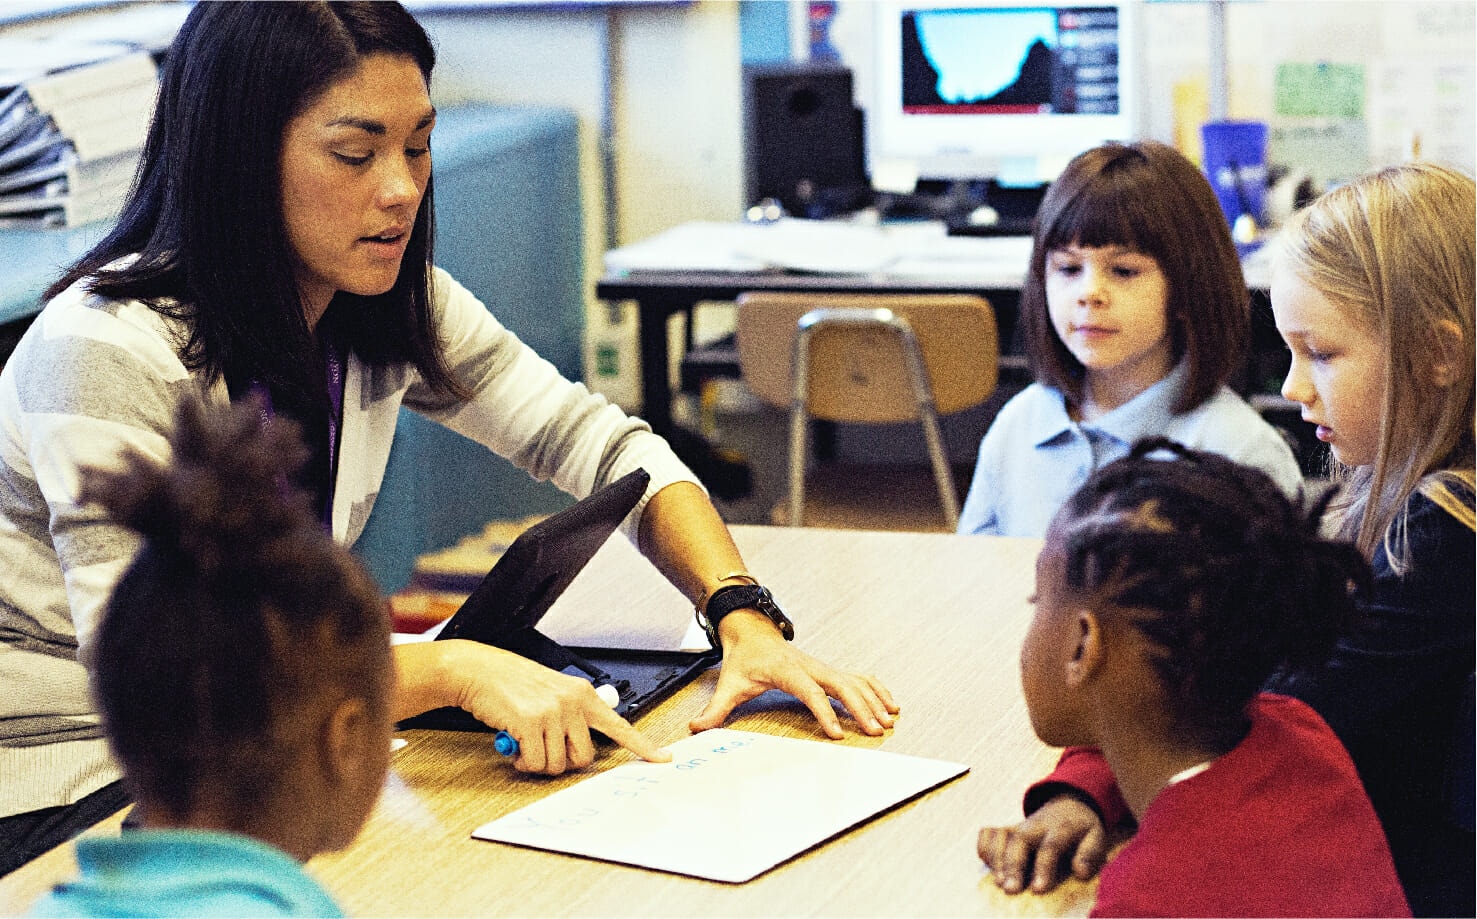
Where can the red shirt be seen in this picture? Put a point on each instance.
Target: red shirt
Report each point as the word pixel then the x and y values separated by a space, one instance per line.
pixel 1279 826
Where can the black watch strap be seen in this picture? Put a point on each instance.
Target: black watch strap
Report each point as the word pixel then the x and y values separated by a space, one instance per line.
pixel 742 596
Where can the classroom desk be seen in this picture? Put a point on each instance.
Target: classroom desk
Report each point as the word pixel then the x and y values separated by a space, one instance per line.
pixel 939 618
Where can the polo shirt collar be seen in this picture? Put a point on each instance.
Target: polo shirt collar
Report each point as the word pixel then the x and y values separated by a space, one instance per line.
pixel 1148 413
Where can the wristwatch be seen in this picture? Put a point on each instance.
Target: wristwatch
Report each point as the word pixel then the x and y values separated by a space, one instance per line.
pixel 741 596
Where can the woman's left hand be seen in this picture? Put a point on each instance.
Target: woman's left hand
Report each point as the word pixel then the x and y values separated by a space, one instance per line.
pixel 756 659
pixel 685 538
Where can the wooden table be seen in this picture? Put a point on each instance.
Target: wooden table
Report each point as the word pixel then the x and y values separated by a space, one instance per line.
pixel 939 618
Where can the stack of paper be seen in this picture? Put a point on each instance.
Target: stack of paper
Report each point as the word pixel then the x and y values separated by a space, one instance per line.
pixel 816 246
pixel 70 141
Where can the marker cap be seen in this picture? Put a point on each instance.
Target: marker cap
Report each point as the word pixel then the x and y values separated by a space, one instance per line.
pixel 505 743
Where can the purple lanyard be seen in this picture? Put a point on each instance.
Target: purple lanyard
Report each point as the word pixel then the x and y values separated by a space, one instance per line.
pixel 334 359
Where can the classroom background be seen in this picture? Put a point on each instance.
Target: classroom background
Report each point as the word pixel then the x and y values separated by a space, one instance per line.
pixel 649 96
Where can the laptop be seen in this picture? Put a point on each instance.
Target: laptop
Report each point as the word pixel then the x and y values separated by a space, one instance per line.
pixel 505 608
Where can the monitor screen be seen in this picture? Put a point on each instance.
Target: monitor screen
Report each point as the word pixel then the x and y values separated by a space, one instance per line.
pixel 1006 91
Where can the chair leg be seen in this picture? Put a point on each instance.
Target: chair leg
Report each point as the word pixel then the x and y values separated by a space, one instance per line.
pixel 799 423
pixel 928 415
pixel 798 429
pixel 942 474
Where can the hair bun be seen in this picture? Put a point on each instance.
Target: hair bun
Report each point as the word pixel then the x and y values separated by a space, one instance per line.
pixel 224 496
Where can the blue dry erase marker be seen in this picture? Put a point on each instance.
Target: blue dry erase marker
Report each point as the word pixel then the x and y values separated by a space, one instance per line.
pixel 505 743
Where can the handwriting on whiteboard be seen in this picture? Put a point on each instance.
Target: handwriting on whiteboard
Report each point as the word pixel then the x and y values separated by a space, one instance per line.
pixel 626 785
pixel 729 805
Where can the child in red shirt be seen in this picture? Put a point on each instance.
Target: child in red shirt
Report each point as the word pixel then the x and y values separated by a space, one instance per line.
pixel 1170 587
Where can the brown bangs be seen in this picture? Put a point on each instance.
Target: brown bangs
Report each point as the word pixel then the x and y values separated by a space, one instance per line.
pixel 1120 206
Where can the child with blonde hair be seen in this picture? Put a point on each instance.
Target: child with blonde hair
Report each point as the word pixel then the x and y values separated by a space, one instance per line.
pixel 1373 291
pixel 243 673
pixel 1136 315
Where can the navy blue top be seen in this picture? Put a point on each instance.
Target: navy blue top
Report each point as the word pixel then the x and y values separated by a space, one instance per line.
pixel 1397 691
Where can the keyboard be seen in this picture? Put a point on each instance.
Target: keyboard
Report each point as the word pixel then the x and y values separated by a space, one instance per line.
pixel 1005 226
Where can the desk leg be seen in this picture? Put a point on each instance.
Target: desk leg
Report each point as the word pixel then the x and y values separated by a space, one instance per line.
pixel 725 476
pixel 656 390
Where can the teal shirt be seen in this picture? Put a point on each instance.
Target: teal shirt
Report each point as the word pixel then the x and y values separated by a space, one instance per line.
pixel 185 873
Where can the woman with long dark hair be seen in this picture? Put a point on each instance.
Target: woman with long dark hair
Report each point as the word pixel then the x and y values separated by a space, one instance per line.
pixel 279 243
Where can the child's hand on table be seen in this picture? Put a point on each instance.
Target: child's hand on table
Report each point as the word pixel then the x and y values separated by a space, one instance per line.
pixel 1063 829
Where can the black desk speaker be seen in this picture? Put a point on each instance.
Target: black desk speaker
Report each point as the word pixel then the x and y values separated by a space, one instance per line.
pixel 803 138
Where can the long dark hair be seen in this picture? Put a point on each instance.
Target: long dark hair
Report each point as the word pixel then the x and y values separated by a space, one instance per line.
pixel 1211 563
pixel 1146 197
pixel 205 216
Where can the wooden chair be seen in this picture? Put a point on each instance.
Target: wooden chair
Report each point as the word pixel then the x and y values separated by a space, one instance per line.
pixel 868 359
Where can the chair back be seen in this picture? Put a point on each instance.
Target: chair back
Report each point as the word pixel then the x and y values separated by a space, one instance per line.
pixel 858 372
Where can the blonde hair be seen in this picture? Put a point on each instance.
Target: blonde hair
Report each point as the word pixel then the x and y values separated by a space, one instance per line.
pixel 1396 249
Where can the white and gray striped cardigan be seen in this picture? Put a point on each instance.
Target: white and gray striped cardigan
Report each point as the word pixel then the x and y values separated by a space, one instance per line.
pixel 92 377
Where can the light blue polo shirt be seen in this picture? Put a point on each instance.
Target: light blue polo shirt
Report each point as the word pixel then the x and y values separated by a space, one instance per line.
pixel 185 873
pixel 1034 456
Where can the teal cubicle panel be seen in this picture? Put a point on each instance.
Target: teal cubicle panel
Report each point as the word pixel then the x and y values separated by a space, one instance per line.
pixel 509 227
pixel 32 258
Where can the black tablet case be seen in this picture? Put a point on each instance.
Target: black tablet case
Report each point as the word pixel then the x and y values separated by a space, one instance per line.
pixel 507 605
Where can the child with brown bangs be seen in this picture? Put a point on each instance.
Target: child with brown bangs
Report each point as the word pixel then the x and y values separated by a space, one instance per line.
pixel 1168 591
pixel 243 673
pixel 1135 315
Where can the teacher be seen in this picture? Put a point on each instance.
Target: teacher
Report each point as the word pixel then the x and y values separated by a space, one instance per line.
pixel 278 241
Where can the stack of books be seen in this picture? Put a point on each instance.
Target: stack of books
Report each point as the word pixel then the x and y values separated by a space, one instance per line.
pixel 70 141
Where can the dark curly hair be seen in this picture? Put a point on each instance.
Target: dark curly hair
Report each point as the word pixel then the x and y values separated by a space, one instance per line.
pixel 1211 563
pixel 236 620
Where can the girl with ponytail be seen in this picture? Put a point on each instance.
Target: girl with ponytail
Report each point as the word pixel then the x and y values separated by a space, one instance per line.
pixel 242 668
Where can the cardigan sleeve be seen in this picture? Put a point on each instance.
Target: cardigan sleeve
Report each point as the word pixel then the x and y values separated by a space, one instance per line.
pixel 94 381
pixel 523 409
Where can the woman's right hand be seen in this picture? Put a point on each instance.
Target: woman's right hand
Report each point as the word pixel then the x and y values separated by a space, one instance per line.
pixel 550 714
pixel 1063 829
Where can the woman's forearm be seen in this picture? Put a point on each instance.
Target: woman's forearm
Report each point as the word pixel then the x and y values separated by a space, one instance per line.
pixel 423 681
pixel 683 536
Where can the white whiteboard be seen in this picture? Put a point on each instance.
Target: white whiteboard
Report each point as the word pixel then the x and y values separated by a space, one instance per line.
pixel 730 805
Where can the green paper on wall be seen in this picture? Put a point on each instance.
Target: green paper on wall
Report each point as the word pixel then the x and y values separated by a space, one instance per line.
pixel 1321 90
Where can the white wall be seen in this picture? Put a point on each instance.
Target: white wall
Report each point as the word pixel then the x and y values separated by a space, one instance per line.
pixel 679 152
pixel 672 109
pixel 674 84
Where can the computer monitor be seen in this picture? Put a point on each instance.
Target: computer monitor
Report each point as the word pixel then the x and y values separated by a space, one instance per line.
pixel 1008 91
